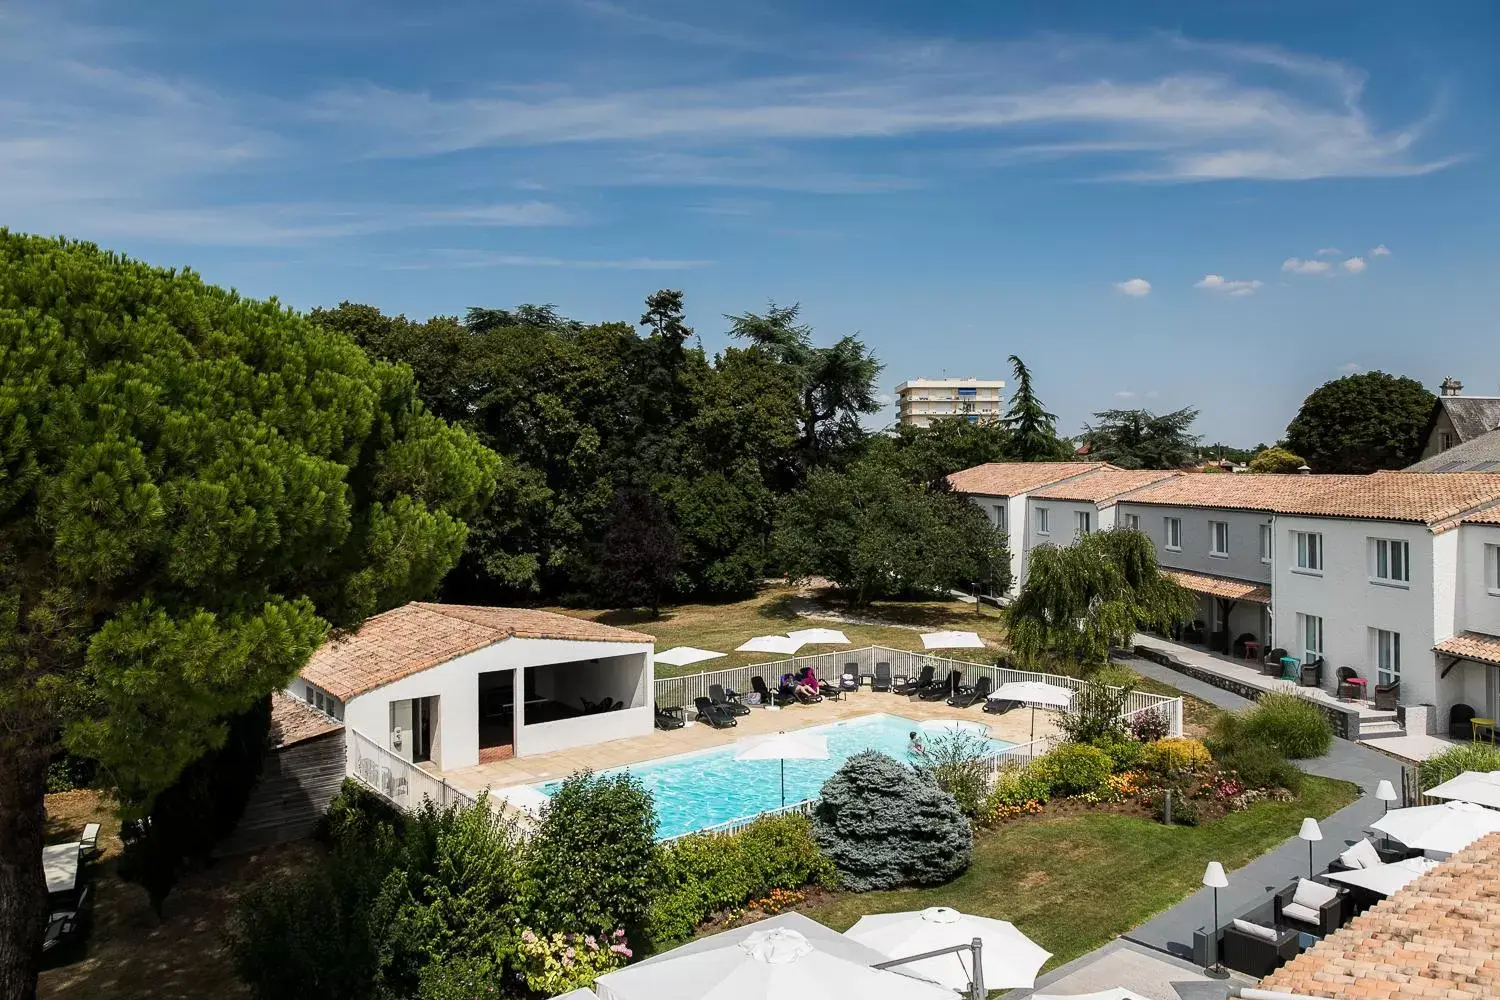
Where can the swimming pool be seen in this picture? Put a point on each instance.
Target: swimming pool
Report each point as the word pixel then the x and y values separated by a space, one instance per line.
pixel 698 790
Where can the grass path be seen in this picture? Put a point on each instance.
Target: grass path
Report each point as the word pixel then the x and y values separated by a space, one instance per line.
pixel 1073 883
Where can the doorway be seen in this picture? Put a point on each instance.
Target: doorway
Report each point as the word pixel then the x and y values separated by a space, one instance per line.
pixel 414 724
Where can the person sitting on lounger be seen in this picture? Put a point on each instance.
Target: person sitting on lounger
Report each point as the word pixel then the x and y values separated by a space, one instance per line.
pixel 791 685
pixel 809 680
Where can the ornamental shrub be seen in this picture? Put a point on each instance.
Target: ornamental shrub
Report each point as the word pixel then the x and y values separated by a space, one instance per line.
pixel 1456 760
pixel 1175 756
pixel 779 852
pixel 1016 791
pixel 593 860
pixel 1095 713
pixel 884 825
pixel 1152 724
pixel 1262 766
pixel 560 963
pixel 957 760
pixel 1074 769
pixel 1290 723
pixel 1124 751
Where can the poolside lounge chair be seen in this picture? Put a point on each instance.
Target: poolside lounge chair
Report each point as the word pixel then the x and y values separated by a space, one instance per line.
pixel 999 706
pixel 724 700
pixel 910 686
pixel 669 717
pixel 938 690
pixel 882 680
pixel 758 685
pixel 713 714
pixel 849 679
pixel 969 695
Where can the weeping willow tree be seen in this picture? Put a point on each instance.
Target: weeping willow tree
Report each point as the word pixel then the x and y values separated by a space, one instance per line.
pixel 1078 601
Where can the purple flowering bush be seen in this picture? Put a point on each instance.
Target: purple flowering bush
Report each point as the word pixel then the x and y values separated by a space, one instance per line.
pixel 558 963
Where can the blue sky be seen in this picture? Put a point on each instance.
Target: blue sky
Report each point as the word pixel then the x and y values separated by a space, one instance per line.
pixel 1308 188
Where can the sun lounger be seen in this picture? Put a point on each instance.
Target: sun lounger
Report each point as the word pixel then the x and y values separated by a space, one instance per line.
pixel 669 717
pixel 722 699
pixel 713 714
pixel 910 686
pixel 882 681
pixel 938 690
pixel 767 697
pixel 969 695
pixel 849 679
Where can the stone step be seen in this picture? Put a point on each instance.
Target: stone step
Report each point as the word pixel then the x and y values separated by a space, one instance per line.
pixel 1376 728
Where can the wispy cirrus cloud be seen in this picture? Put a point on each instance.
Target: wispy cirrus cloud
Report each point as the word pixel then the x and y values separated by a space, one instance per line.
pixel 1299 265
pixel 1237 288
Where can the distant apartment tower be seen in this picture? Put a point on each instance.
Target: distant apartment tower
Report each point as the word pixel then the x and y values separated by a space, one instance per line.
pixel 922 400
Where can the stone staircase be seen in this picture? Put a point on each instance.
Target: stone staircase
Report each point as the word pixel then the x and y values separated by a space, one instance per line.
pixel 1374 725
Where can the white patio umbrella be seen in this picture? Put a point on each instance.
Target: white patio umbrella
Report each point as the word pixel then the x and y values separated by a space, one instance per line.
pixel 783 747
pixel 952 640
pixel 1445 829
pixel 523 798
pixel 681 656
pixel 1118 993
pixel 1033 693
pixel 819 636
pixel 1010 959
pixel 769 644
pixel 1479 787
pixel 775 964
pixel 1386 879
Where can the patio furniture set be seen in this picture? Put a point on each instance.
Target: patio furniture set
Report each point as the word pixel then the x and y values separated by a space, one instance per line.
pixel 66 871
pixel 1349 685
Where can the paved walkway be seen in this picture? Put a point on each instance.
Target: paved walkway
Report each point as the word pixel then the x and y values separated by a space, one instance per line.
pixel 1172 930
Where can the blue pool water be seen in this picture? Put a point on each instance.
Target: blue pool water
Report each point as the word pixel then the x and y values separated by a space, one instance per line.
pixel 704 789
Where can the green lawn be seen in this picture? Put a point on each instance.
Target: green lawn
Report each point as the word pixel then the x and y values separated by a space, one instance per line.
pixel 1074 883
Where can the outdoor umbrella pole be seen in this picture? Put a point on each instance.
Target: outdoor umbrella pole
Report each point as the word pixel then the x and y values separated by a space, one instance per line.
pixel 783 782
pixel 1033 723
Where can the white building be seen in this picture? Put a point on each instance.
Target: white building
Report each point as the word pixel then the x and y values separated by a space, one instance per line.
pixel 454 685
pixel 1395 575
pixel 920 401
pixel 1002 489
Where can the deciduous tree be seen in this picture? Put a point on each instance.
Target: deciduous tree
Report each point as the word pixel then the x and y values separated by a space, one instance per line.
pixel 1277 460
pixel 1362 423
pixel 193 487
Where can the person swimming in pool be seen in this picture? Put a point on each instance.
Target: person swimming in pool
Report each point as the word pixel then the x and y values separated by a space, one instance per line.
pixel 914 742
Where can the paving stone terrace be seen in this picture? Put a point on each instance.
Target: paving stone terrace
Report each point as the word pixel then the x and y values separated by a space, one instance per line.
pixel 1013 727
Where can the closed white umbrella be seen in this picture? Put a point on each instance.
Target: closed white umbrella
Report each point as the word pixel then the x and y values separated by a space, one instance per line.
pixel 770 644
pixel 819 636
pixel 1479 787
pixel 1010 959
pixel 952 640
pixel 1033 693
pixel 778 964
pixel 783 747
pixel 681 656
pixel 1385 879
pixel 1445 829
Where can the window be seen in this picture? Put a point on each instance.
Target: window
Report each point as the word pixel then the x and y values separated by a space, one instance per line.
pixel 1218 539
pixel 309 689
pixel 1172 533
pixel 1041 522
pixel 1309 551
pixel 1310 628
pixel 318 700
pixel 1390 561
pixel 1000 516
pixel 1387 656
pixel 1265 543
pixel 1133 522
pixel 1445 440
pixel 1084 521
pixel 1492 569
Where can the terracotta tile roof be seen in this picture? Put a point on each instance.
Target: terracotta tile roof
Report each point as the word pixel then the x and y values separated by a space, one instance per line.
pixel 1476 646
pixel 1221 586
pixel 293 721
pixel 1438 937
pixel 1008 479
pixel 1104 484
pixel 1431 498
pixel 1490 515
pixel 418 636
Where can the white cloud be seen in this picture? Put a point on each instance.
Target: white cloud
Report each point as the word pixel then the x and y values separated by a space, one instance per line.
pixel 1329 252
pixel 1380 251
pixel 1354 265
pixel 1296 265
pixel 1124 394
pixel 1351 368
pixel 1237 288
pixel 1136 287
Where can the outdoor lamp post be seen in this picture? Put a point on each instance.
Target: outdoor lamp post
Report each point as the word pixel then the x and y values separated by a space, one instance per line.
pixel 1213 877
pixel 1386 792
pixel 1312 835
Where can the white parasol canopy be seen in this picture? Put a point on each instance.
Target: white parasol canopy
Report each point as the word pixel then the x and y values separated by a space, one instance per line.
pixel 1385 879
pixel 952 640
pixel 819 636
pixel 783 747
pixel 1479 787
pixel 775 964
pixel 681 656
pixel 523 798
pixel 1034 693
pixel 1445 829
pixel 769 644
pixel 1010 959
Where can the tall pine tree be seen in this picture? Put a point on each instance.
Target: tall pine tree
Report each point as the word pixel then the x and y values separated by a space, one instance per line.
pixel 1033 431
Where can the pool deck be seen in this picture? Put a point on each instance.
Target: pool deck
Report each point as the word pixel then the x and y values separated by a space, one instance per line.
pixel 1013 727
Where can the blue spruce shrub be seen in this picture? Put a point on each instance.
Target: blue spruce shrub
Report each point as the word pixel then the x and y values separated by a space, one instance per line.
pixel 884 825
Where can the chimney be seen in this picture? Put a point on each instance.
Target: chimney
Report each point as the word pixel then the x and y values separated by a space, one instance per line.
pixel 1452 387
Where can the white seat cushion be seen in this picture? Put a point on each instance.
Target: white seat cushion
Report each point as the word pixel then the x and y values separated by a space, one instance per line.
pixel 1361 855
pixel 1255 930
pixel 1311 894
pixel 1301 914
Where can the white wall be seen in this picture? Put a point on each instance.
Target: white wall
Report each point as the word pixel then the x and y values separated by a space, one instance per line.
pixel 1478 608
pixel 1062 520
pixel 1243 561
pixel 456 685
pixel 1015 530
pixel 585 730
pixel 1350 605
